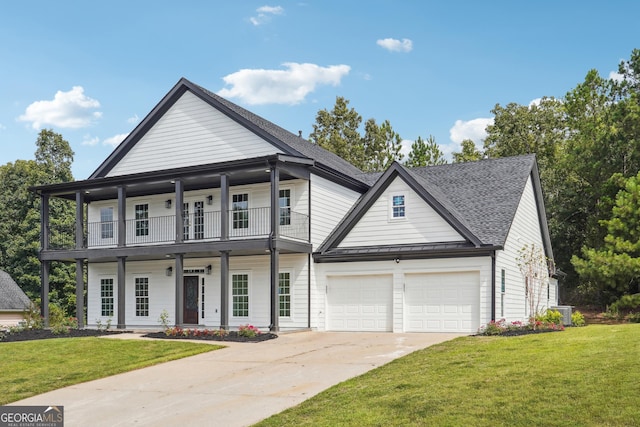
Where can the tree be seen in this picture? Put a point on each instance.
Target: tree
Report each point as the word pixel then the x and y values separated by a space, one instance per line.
pixel 469 152
pixel 425 153
pixel 614 267
pixel 382 146
pixel 337 131
pixel 534 266
pixel 20 218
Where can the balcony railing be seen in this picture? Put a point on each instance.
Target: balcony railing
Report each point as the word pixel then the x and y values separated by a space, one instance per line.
pixel 243 223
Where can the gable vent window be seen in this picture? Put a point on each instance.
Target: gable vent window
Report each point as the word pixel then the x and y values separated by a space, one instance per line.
pixel 398 207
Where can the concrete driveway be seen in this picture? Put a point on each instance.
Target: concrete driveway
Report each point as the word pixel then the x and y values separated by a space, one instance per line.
pixel 236 386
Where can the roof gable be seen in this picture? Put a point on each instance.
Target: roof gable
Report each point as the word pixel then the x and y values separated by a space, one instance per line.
pixel 430 195
pixel 418 224
pixel 283 141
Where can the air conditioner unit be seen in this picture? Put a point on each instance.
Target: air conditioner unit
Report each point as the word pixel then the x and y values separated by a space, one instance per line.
pixel 566 311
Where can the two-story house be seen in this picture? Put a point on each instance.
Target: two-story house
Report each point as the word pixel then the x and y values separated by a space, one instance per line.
pixel 221 218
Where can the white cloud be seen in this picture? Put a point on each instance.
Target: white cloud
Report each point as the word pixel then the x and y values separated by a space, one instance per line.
pixel 265 13
pixel 71 110
pixel 133 120
pixel 474 130
pixel 2 127
pixel 395 45
pixel 615 76
pixel 406 147
pixel 89 140
pixel 115 140
pixel 289 86
pixel 535 102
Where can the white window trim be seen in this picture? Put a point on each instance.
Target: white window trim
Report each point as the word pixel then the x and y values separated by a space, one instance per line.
pixel 390 210
pixel 147 276
pixel 231 316
pixel 291 199
pixel 291 288
pixel 115 295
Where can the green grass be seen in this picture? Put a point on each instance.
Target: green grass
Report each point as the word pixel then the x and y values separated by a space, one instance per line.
pixel 33 367
pixel 580 377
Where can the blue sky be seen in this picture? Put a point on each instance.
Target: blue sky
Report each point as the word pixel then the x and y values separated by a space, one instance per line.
pixel 92 70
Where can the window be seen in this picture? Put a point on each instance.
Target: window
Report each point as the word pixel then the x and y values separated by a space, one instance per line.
pixel 142 296
pixel 240 294
pixel 285 207
pixel 106 295
pixel 198 220
pixel 142 219
pixel 398 206
pixel 240 208
pixel 106 223
pixel 284 294
pixel 185 221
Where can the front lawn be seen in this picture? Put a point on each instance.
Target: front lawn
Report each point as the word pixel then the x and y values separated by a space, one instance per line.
pixel 33 367
pixel 580 377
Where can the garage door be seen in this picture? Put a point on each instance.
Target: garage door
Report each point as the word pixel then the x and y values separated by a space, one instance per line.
pixel 444 302
pixel 360 303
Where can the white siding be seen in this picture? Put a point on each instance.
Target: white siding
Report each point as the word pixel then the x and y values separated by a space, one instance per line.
pixel 191 133
pixel 421 224
pixel 525 230
pixel 329 204
pixel 259 197
pixel 162 291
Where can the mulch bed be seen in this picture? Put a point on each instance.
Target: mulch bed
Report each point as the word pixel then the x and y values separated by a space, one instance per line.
pixel 40 334
pixel 230 336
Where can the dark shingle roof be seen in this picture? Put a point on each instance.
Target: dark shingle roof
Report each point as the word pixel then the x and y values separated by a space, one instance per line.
pixel 11 296
pixel 485 194
pixel 295 142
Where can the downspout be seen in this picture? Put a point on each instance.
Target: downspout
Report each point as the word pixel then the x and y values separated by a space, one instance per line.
pixel 493 286
pixel 309 260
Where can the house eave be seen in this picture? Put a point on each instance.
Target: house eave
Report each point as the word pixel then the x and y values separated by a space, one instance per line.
pixel 403 252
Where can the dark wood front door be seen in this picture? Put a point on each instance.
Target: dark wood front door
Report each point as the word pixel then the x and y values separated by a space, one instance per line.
pixel 190 297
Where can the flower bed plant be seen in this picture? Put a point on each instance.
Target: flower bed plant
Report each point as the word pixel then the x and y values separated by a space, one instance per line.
pixel 502 327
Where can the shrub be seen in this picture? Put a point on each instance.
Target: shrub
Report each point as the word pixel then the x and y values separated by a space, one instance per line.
pixel 577 319
pixel 248 331
pixel 632 317
pixel 551 316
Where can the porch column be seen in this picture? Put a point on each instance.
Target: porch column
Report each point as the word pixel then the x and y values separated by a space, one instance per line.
pixel 44 221
pixel 275 253
pixel 79 220
pixel 224 207
pixel 179 270
pixel 224 289
pixel 80 292
pixel 122 216
pixel 179 213
pixel 44 291
pixel 44 265
pixel 122 261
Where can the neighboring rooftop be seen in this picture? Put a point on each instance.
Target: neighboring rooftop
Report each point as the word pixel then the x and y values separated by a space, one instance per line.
pixel 12 298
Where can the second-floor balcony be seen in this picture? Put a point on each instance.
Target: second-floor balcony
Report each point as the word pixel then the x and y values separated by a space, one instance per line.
pixel 196 227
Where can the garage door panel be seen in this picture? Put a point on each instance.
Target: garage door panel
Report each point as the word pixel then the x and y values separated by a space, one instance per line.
pixel 442 302
pixel 360 303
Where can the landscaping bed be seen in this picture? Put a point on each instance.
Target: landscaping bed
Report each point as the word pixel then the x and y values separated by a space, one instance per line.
pixel 39 334
pixel 205 335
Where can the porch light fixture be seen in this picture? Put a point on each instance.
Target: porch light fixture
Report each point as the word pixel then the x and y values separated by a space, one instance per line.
pixel 209 199
pixel 167 204
pixel 397 260
pixel 207 269
pixel 169 271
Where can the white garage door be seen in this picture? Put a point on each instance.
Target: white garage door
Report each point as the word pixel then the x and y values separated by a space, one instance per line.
pixel 360 303
pixel 442 302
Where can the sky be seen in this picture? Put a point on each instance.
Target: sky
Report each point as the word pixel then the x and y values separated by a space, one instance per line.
pixel 92 70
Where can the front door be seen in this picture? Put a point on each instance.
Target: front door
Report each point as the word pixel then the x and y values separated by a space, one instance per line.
pixel 190 308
